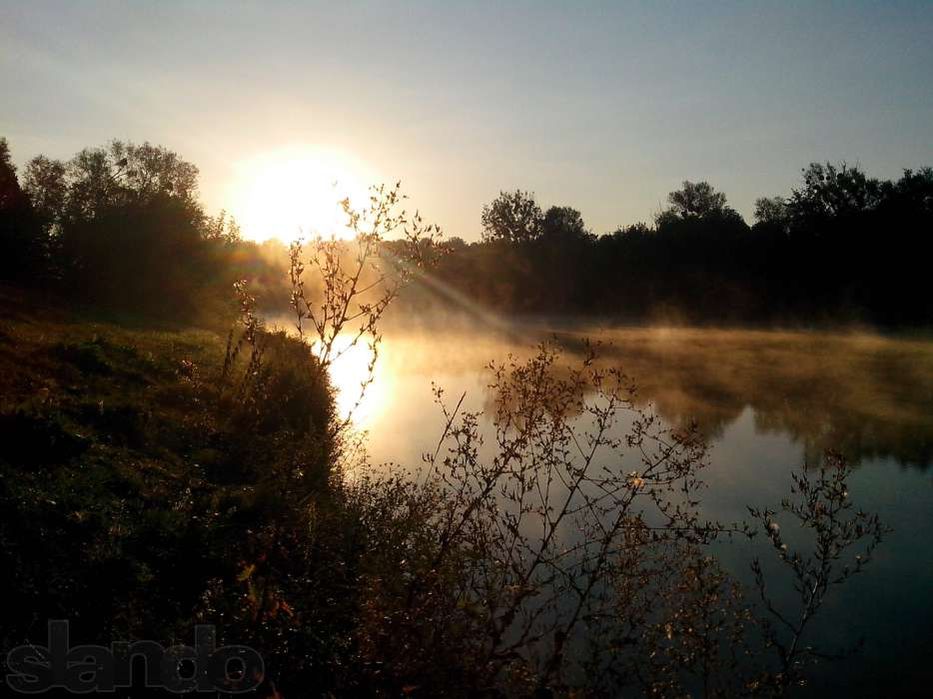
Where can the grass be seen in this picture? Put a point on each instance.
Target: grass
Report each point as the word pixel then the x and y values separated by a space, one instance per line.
pixel 130 473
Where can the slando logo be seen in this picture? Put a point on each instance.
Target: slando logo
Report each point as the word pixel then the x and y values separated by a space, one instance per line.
pixel 179 669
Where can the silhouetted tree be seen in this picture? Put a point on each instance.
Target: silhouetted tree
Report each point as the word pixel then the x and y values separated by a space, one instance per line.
pixel 513 217
pixel 121 226
pixel 92 184
pixel 44 181
pixel 814 255
pixel 562 223
pixel 222 228
pixel 829 191
pixel 561 260
pixel 124 172
pixel 9 185
pixel 771 211
pixel 696 200
pixel 19 252
pixel 149 171
pixel 913 191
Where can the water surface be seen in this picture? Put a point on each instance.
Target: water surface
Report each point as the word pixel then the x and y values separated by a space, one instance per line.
pixel 768 402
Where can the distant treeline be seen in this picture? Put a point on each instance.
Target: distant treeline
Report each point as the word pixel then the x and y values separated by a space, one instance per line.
pixel 841 247
pixel 121 227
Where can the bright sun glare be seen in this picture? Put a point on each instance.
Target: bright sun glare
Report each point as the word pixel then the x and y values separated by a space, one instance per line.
pixel 346 374
pixel 295 192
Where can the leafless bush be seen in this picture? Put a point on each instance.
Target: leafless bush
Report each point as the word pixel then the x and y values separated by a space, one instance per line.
pixel 357 279
pixel 681 626
pixel 838 542
pixel 248 339
pixel 527 533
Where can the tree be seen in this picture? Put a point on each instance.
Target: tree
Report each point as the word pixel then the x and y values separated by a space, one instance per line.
pixel 563 223
pixel 829 192
pixel 19 252
pixel 124 172
pixel 149 170
pixel 91 183
pixel 9 185
pixel 513 217
pixel 913 190
pixel 44 181
pixel 696 200
pixel 121 226
pixel 771 210
pixel 146 256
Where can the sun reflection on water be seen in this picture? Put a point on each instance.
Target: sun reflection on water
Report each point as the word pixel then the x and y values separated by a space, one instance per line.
pixel 349 373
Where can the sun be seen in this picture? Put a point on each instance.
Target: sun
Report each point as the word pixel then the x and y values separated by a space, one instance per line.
pixel 296 192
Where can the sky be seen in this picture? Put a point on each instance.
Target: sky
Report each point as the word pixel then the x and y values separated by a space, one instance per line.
pixel 605 107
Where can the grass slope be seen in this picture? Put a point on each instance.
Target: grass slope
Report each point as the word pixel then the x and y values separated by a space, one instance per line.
pixel 134 474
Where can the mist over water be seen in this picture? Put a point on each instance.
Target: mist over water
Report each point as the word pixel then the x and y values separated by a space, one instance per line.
pixel 864 395
pixel 767 401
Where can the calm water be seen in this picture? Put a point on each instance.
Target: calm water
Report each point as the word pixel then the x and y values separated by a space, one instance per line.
pixel 768 402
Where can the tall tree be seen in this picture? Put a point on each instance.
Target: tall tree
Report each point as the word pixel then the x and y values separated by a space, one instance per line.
pixel 563 223
pixel 149 170
pixel 44 181
pixel 19 252
pixel 513 217
pixel 830 192
pixel 696 200
pixel 9 185
pixel 771 212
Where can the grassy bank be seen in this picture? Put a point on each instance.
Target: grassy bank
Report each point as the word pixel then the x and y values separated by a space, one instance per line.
pixel 149 481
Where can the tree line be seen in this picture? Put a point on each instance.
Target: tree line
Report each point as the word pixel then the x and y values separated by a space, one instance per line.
pixel 841 246
pixel 121 227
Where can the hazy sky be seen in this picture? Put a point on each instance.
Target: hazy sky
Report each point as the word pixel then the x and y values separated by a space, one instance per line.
pixel 602 106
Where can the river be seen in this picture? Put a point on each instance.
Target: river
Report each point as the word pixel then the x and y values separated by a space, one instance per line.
pixel 768 402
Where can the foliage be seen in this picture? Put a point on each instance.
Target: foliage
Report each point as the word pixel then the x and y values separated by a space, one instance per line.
pixel 121 227
pixel 19 247
pixel 123 215
pixel 772 212
pixel 829 192
pixel 841 247
pixel 696 200
pixel 513 217
pixel 44 181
